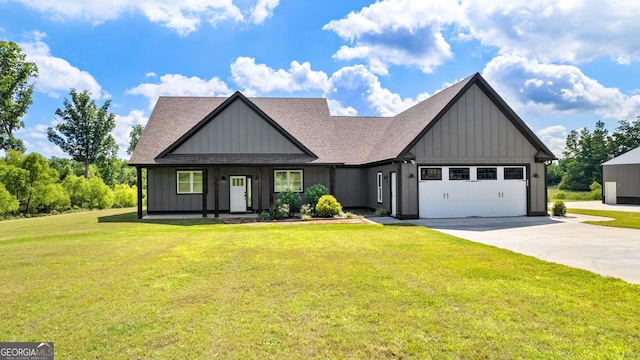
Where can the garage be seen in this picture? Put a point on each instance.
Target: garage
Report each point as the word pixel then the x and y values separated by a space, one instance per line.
pixel 472 191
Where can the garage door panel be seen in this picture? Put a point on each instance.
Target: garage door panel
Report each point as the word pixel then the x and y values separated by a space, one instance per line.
pixel 472 198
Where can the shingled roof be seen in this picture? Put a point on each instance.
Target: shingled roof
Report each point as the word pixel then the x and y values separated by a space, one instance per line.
pixel 326 139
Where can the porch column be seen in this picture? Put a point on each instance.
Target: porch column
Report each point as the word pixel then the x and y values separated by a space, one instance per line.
pixel 139 184
pixel 259 190
pixel 204 192
pixel 216 182
pixel 332 180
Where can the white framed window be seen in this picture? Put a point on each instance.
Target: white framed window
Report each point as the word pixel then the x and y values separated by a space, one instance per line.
pixel 287 180
pixel 189 182
pixel 379 186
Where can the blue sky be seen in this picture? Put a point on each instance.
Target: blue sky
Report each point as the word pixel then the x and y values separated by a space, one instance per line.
pixel 561 65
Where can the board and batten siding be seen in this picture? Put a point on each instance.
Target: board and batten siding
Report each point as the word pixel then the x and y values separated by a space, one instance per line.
pixel 627 178
pixel 351 187
pixel 474 130
pixel 164 193
pixel 238 129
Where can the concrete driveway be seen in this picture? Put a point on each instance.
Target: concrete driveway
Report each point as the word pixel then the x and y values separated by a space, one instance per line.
pixel 603 250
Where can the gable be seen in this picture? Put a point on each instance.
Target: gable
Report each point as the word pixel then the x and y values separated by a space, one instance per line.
pixel 237 129
pixel 474 128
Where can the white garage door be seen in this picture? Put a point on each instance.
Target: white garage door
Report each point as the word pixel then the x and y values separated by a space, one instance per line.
pixel 465 191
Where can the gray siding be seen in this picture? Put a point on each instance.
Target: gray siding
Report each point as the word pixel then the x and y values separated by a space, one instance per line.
pixel 163 194
pixel 409 190
pixel 474 130
pixel 627 178
pixel 238 130
pixel 538 187
pixel 351 187
pixel 371 189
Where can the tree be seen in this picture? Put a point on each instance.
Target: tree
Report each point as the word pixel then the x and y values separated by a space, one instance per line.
pixel 134 136
pixel 16 86
pixel 84 129
pixel 626 137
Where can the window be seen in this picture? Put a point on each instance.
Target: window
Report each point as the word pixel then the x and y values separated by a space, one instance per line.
pixel 379 186
pixel 514 173
pixel 189 182
pixel 430 173
pixel 458 173
pixel 487 174
pixel 288 180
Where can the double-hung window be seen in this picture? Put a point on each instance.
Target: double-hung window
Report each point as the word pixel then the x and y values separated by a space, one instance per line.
pixel 379 186
pixel 288 180
pixel 190 182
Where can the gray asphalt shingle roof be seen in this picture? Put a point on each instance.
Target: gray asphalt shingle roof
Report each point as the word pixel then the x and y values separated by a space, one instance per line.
pixel 350 140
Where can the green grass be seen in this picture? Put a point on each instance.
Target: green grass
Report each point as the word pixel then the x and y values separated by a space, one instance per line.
pixel 566 195
pixel 102 285
pixel 622 219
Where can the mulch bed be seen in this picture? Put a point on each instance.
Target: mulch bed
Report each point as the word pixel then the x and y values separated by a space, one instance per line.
pixel 360 213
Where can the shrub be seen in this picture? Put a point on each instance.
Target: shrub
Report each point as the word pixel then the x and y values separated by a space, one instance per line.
pixel 381 212
pixel 305 217
pixel 264 216
pixel 561 195
pixel 48 198
pixel 596 191
pixel 349 215
pixel 77 189
pixel 314 193
pixel 291 199
pixel 328 206
pixel 559 209
pixel 305 209
pixel 100 195
pixel 279 210
pixel 125 196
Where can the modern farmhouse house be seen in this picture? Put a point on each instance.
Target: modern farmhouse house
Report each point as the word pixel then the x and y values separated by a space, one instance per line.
pixel 462 152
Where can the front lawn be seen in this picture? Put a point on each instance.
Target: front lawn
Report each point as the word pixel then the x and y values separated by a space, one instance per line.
pixel 103 285
pixel 622 219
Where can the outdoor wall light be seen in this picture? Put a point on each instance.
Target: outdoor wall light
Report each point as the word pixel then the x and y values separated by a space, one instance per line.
pixel 223 178
pixel 411 176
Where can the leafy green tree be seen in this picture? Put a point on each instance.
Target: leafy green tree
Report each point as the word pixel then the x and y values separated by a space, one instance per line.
pixel 8 202
pixel 134 136
pixel 84 129
pixel 100 195
pixel 17 78
pixel 583 156
pixel 77 189
pixel 125 196
pixel 624 138
pixel 63 166
pixel 554 174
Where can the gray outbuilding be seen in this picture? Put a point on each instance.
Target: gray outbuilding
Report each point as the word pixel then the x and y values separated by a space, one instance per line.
pixel 462 152
pixel 621 178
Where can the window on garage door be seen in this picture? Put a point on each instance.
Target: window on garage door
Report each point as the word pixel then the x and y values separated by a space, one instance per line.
pixel 487 173
pixel 459 174
pixel 430 173
pixel 514 173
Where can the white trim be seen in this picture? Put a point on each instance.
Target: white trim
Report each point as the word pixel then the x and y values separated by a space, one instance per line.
pixel 379 186
pixel 289 184
pixel 191 181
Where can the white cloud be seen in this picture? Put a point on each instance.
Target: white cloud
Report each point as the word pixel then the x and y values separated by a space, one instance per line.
pixel 183 16
pixel 180 85
pixel 263 10
pixel 124 124
pixel 555 138
pixel 259 78
pixel 57 75
pixel 536 88
pixel 550 31
pixel 336 109
pixel 398 32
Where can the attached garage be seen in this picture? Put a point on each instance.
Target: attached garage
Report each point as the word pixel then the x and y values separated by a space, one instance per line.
pixel 472 191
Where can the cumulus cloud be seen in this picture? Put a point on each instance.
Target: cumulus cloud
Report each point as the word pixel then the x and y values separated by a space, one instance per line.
pixel 263 10
pixel 180 85
pixel 551 31
pixel 183 17
pixel 555 138
pixel 57 75
pixel 124 125
pixel 399 32
pixel 537 88
pixel 259 78
pixel 354 85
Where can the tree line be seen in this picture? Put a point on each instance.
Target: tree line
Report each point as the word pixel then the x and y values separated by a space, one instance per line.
pixel 94 177
pixel 585 151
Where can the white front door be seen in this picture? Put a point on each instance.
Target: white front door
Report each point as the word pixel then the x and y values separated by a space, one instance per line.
pixel 238 194
pixel 610 196
pixel 394 203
